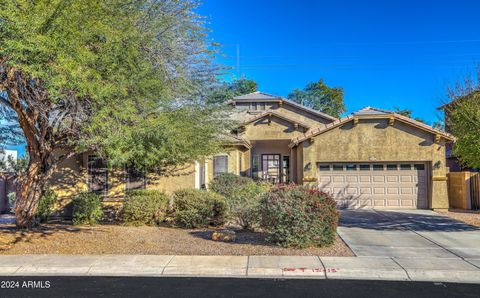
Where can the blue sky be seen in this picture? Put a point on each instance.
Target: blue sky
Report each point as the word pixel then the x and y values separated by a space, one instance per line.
pixel 383 53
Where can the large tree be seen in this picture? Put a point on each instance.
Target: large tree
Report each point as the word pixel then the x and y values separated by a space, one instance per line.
pixel 120 77
pixel 320 97
pixel 225 91
pixel 407 113
pixel 463 121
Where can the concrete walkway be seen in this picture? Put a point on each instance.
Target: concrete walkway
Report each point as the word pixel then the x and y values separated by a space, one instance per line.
pixel 363 268
pixel 408 234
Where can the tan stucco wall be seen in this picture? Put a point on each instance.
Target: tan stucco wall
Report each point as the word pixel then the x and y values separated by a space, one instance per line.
pixel 301 115
pixel 277 129
pixel 71 177
pixel 184 177
pixel 374 140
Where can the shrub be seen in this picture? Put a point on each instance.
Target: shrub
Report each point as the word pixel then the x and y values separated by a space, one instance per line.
pixel 46 205
pixel 87 209
pixel 194 208
pixel 226 183
pixel 244 204
pixel 296 216
pixel 242 196
pixel 147 207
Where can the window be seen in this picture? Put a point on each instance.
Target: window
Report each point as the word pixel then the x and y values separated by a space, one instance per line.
pixel 271 168
pixel 254 106
pixel 286 169
pixel 351 167
pixel 255 166
pixel 262 106
pixel 419 167
pixel 220 164
pixel 338 167
pixel 364 167
pixel 135 178
pixel 324 167
pixel 97 175
pixel 392 167
pixel 378 167
pixel 405 167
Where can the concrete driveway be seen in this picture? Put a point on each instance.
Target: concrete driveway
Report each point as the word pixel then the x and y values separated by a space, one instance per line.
pixel 408 233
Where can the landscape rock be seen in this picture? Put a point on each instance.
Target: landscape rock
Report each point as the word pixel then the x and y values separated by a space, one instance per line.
pixel 224 235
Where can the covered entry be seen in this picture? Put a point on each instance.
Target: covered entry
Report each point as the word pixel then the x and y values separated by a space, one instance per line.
pixel 375 185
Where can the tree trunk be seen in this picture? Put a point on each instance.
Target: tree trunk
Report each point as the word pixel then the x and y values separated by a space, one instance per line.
pixel 30 186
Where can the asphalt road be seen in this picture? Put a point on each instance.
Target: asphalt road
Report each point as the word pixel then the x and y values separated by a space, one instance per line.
pixel 225 287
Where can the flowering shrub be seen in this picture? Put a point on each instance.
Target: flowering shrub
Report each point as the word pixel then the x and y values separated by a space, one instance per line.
pixel 297 216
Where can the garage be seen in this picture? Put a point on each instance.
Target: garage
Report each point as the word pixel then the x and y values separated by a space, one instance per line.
pixel 401 185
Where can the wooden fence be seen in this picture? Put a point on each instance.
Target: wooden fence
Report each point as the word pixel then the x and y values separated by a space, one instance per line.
pixel 464 190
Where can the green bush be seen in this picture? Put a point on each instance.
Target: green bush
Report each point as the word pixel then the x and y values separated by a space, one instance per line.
pixel 194 208
pixel 46 205
pixel 144 207
pixel 242 196
pixel 296 216
pixel 226 183
pixel 87 209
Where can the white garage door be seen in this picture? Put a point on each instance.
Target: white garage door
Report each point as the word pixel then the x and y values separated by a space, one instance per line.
pixel 375 185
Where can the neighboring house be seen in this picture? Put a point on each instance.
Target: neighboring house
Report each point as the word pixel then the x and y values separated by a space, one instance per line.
pixel 5 157
pixel 372 158
pixel 7 178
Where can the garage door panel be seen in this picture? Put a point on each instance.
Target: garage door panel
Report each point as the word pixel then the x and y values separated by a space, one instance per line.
pixel 352 179
pixel 387 188
pixel 393 179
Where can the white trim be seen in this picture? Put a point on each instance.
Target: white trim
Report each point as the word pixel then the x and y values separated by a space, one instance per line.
pixel 197 175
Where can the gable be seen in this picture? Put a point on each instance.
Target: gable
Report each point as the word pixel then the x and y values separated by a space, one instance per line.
pixel 271 128
pixel 376 140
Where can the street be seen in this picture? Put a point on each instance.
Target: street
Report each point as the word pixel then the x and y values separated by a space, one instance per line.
pixel 225 287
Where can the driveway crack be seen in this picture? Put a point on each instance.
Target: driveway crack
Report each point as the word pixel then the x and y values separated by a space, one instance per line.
pixel 406 272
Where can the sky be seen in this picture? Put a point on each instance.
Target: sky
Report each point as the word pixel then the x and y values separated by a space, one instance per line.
pixel 382 53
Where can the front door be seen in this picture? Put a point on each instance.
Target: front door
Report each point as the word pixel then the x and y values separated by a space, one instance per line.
pixel 271 167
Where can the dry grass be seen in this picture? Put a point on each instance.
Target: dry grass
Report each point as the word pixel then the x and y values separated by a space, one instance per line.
pixel 114 239
pixel 469 217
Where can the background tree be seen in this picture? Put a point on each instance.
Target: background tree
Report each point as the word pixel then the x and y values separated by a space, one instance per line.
pixel 122 78
pixel 407 113
pixel 462 119
pixel 320 97
pixel 226 91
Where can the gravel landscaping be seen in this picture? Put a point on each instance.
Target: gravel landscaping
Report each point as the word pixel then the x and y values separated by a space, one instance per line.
pixel 113 239
pixel 468 217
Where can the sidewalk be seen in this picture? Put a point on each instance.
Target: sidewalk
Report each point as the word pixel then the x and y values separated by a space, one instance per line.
pixel 364 268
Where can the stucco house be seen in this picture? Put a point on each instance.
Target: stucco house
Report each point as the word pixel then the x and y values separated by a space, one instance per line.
pixel 371 158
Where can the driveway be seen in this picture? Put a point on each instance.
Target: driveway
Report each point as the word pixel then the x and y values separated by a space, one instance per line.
pixel 408 233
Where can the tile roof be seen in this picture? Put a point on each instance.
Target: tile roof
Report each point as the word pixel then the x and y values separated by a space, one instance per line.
pixel 366 113
pixel 262 96
pixel 278 115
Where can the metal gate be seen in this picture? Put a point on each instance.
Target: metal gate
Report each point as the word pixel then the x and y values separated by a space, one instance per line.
pixel 475 191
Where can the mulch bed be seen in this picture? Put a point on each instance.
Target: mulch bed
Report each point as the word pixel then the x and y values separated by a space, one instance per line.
pixel 467 216
pixel 117 239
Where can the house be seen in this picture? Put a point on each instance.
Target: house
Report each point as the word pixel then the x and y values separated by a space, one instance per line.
pixel 371 158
